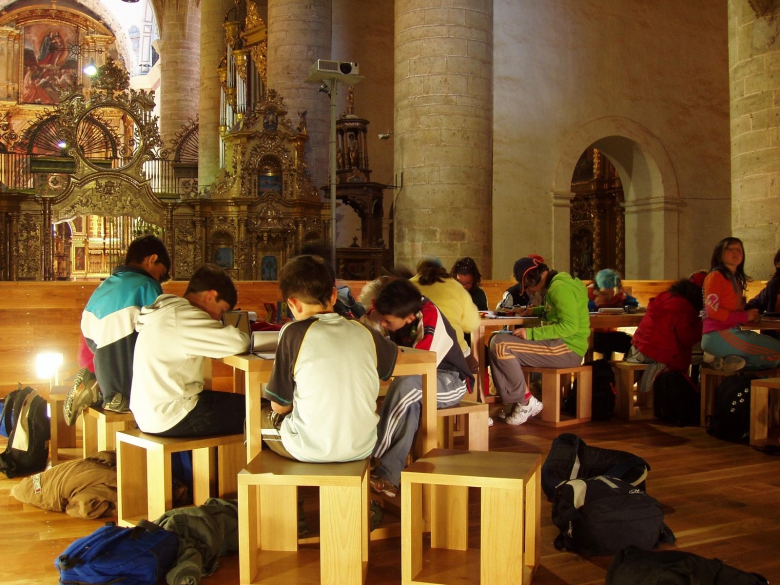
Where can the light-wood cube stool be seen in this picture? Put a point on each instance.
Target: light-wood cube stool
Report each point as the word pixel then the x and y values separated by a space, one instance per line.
pixel 510 518
pixel 268 522
pixel 553 380
pixel 630 404
pixel 100 428
pixel 474 416
pixel 759 408
pixel 144 481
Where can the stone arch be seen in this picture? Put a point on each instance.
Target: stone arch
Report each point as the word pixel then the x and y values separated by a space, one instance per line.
pixel 650 188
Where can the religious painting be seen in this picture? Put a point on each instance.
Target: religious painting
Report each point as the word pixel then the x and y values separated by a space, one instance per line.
pixel 223 258
pixel 50 66
pixel 80 263
pixel 268 268
pixel 269 184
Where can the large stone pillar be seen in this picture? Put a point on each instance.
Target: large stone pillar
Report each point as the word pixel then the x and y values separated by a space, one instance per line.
pixel 754 73
pixel 179 66
pixel 212 51
pixel 299 33
pixel 443 130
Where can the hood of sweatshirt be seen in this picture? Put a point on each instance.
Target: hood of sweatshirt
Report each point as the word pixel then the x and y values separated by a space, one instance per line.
pixel 164 304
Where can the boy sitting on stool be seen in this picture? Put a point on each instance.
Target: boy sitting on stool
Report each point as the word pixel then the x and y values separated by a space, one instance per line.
pixel 413 321
pixel 325 380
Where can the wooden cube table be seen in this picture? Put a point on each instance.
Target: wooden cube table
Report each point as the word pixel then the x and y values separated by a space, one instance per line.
pixel 510 518
pixel 62 435
pixel 268 522
pixel 630 404
pixel 553 380
pixel 474 417
pixel 759 408
pixel 144 480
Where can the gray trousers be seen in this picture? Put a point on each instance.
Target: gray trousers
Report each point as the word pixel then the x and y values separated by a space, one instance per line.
pixel 400 417
pixel 508 355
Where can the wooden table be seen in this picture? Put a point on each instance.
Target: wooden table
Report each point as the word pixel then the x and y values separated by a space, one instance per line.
pixel 257 371
pixel 478 337
pixel 766 324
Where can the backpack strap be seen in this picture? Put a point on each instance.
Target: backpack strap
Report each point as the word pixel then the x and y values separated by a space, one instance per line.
pixel 630 462
pixel 666 535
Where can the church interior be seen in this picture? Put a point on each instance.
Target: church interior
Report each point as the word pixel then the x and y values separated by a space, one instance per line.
pixel 598 134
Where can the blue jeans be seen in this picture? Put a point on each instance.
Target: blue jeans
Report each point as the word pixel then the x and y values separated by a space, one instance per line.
pixel 216 413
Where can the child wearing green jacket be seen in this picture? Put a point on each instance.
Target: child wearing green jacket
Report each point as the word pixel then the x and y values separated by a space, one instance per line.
pixel 560 343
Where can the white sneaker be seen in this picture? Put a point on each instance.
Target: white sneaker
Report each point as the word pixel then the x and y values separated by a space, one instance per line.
pixel 708 358
pixel 730 363
pixel 522 413
pixel 506 411
pixel 490 421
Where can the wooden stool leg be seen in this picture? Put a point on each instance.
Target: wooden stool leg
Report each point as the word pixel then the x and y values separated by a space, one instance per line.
pixel 131 482
pixel 279 520
pixel 501 557
pixel 584 394
pixel 158 485
pixel 759 408
pixel 705 397
pixel 477 430
pixel 449 517
pixel 248 502
pixel 551 397
pixel 89 443
pixel 232 459
pixel 203 474
pixel 341 552
pixel 624 400
pixel 412 525
pixel 533 519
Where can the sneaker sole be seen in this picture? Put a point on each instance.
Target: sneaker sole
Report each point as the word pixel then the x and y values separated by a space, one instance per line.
pixel 86 398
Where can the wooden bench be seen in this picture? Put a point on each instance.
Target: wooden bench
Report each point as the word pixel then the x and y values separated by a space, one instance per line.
pixel 144 481
pixel 553 380
pixel 268 522
pixel 100 428
pixel 630 404
pixel 474 416
pixel 710 380
pixel 510 492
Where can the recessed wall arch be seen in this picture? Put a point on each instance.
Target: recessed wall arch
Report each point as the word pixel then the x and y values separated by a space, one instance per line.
pixel 652 199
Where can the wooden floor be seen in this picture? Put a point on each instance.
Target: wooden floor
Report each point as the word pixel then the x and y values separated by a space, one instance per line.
pixel 722 500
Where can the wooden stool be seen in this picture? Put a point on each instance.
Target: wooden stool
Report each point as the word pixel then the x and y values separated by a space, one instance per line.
pixel 552 381
pixel 630 404
pixel 62 435
pixel 510 518
pixel 475 416
pixel 144 482
pixel 100 427
pixel 268 521
pixel 710 380
pixel 759 408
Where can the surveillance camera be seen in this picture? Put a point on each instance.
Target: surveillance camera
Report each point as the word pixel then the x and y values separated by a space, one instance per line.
pixel 384 136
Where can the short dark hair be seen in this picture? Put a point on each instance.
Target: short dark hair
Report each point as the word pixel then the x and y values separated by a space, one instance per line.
pixel 145 246
pixel 307 279
pixel 213 277
pixel 690 291
pixel 466 265
pixel 399 298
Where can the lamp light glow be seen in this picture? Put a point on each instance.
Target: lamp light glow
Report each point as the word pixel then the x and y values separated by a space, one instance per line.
pixel 90 69
pixel 47 364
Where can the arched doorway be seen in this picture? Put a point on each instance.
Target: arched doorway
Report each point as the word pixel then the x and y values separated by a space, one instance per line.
pixel 651 195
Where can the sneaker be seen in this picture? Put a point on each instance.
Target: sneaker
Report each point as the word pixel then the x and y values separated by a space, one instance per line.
pixel 522 413
pixel 730 363
pixel 119 403
pixel 380 485
pixel 85 393
pixel 490 421
pixel 506 411
pixel 708 358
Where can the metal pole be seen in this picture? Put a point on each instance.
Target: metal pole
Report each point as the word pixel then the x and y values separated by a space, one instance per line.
pixel 332 172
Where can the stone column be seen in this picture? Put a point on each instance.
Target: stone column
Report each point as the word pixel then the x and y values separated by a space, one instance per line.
pixel 754 74
pixel 212 51
pixel 179 66
pixel 299 33
pixel 443 130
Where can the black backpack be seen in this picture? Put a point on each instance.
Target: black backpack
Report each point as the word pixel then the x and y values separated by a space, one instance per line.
pixel 633 566
pixel 730 420
pixel 676 399
pixel 25 418
pixel 602 392
pixel 571 458
pixel 602 515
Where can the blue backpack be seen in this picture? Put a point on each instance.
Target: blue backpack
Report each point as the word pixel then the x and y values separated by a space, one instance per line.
pixel 121 556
